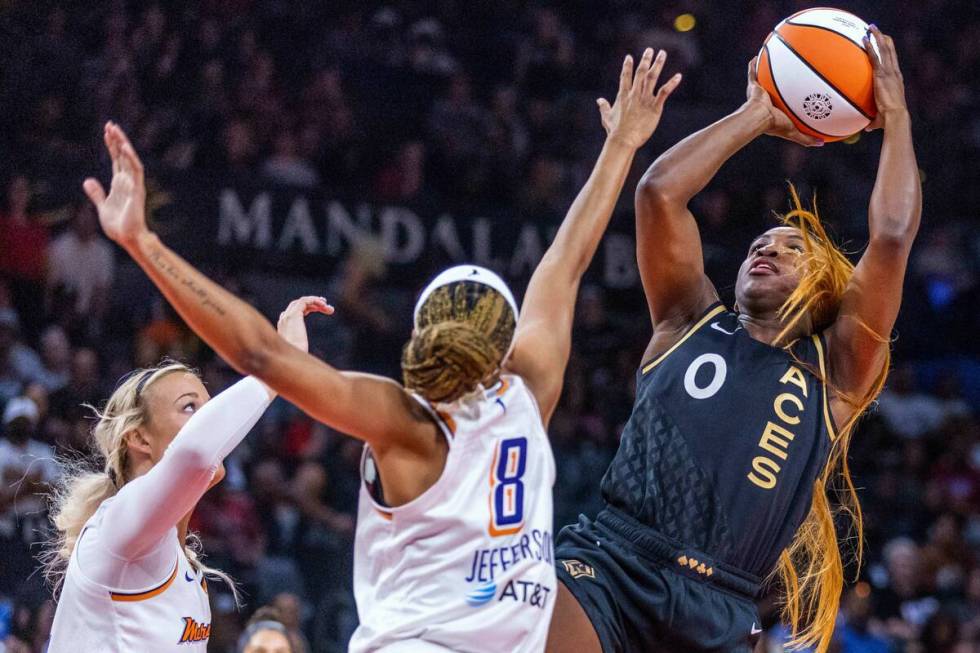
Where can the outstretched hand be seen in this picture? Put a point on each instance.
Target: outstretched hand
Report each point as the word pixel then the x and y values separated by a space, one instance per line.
pixel 888 81
pixel 292 326
pixel 779 123
pixel 122 213
pixel 637 109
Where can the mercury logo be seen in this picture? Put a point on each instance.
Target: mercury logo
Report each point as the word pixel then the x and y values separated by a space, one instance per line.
pixel 817 106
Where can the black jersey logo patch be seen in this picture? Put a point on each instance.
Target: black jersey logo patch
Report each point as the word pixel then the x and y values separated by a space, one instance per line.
pixel 578 569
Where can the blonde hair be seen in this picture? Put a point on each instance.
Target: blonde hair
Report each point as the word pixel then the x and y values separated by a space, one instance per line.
pixel 811 569
pixel 464 330
pixel 88 481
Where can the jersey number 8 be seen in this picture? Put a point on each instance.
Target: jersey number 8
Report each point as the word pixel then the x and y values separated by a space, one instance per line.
pixel 507 487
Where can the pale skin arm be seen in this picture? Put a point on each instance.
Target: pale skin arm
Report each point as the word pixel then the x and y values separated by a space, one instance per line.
pixel 874 295
pixel 668 241
pixel 243 337
pixel 544 332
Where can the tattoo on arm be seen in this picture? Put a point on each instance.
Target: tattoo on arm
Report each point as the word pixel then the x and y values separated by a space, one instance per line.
pixel 160 261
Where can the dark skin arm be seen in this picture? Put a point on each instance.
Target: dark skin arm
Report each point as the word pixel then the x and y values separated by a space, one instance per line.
pixel 874 294
pixel 544 331
pixel 408 447
pixel 668 242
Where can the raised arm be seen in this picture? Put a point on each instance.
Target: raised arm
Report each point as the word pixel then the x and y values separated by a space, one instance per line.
pixel 667 238
pixel 858 339
pixel 544 332
pixel 241 335
pixel 149 506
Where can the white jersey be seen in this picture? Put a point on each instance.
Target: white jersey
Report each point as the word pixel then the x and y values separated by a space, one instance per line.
pixel 170 615
pixel 129 587
pixel 467 566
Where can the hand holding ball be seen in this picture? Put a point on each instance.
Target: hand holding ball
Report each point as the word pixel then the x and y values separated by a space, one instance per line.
pixel 816 70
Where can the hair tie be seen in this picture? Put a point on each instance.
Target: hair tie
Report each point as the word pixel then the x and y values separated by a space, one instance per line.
pixel 142 382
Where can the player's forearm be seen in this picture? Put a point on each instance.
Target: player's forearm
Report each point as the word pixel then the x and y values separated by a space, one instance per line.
pixel 588 217
pixel 682 171
pixel 896 202
pixel 230 326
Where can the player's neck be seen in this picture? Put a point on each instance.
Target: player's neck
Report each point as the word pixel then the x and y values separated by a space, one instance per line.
pixel 767 327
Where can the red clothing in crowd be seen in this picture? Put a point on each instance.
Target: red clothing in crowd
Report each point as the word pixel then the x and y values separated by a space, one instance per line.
pixel 23 249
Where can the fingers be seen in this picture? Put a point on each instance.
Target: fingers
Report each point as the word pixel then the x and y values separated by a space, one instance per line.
pixel 877 123
pixel 306 305
pixel 626 76
pixel 887 55
pixel 640 79
pixel 604 111
pixel 667 89
pixel 803 139
pixel 112 145
pixel 319 306
pixel 126 153
pixel 869 47
pixel 94 191
pixel 654 73
pixel 753 70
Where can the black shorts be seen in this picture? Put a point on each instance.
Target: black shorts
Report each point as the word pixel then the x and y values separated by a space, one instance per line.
pixel 645 594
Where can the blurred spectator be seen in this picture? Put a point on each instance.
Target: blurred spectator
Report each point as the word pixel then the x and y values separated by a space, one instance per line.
pixel 55 359
pixel 265 633
pixel 82 267
pixel 286 166
pixel 903 606
pixel 854 634
pixel 27 470
pixel 909 413
pixel 19 364
pixel 24 243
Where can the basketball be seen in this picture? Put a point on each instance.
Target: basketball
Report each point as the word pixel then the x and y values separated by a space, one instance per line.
pixel 816 70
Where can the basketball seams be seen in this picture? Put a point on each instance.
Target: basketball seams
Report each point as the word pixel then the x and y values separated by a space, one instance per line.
pixel 789 21
pixel 818 74
pixel 775 85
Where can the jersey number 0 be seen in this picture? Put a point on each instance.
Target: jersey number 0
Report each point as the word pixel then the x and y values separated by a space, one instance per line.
pixel 507 487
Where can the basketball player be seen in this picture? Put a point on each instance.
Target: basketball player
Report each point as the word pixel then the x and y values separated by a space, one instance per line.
pixel 129 576
pixel 742 418
pixel 453 544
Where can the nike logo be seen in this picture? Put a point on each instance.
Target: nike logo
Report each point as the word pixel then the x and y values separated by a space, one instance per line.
pixel 502 404
pixel 717 327
pixel 755 631
pixel 188 577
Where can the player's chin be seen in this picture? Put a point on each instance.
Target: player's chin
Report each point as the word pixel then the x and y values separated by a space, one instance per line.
pixel 766 289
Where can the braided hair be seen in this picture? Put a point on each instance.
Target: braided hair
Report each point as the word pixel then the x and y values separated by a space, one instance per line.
pixel 463 331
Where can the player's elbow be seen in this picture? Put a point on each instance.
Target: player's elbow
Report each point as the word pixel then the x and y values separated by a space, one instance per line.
pixel 192 456
pixel 895 235
pixel 655 189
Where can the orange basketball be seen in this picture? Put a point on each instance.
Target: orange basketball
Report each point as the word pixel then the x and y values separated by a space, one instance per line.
pixel 816 70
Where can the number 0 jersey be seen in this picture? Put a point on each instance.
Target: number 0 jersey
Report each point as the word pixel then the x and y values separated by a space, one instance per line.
pixel 468 565
pixel 726 439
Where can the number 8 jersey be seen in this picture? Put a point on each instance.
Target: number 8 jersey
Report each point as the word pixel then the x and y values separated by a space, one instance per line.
pixel 468 565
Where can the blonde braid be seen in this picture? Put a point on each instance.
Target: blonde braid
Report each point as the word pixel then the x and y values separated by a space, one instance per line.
pixel 464 331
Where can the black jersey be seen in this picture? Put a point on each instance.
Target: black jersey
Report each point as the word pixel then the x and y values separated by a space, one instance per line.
pixel 726 439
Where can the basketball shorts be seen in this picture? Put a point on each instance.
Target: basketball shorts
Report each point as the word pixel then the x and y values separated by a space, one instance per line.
pixel 644 594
